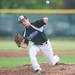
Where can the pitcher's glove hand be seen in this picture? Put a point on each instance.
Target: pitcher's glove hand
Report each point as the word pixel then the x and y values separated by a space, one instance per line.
pixel 18 39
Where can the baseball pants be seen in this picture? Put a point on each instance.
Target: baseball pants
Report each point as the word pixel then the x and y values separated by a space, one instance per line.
pixel 47 51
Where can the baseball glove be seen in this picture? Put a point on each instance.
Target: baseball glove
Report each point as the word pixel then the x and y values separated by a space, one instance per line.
pixel 18 39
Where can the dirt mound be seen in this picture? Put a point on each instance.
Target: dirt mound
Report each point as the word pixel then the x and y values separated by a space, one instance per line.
pixel 61 69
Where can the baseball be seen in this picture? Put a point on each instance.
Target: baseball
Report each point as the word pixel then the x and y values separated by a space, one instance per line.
pixel 47 2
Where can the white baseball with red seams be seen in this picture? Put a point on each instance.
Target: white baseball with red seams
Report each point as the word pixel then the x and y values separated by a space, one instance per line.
pixel 47 51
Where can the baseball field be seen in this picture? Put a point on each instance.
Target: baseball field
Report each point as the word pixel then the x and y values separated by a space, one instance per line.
pixel 15 61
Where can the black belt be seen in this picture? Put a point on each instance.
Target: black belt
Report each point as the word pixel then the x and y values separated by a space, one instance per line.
pixel 40 43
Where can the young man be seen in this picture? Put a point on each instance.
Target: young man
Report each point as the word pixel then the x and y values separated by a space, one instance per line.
pixel 35 33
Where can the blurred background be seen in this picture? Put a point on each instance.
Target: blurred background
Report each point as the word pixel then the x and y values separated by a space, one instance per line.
pixel 61 14
pixel 60 29
pixel 59 24
pixel 37 4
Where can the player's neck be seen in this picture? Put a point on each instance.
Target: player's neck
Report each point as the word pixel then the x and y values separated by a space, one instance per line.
pixel 27 27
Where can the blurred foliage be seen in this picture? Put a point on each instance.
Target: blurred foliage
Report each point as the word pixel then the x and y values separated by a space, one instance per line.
pixel 36 4
pixel 30 4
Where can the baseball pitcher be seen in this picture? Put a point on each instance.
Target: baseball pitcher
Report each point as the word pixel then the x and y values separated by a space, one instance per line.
pixel 35 33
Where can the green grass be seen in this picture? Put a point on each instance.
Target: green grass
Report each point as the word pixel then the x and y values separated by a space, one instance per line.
pixel 13 61
pixel 20 61
pixel 63 44
pixel 8 45
pixel 68 59
pixel 16 61
pixel 58 44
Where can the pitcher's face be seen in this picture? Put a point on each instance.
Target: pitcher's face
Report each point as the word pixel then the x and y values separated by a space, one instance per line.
pixel 25 22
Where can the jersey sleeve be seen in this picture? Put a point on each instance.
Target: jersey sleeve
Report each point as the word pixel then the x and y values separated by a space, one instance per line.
pixel 39 23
